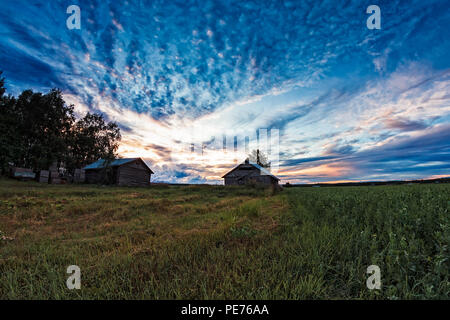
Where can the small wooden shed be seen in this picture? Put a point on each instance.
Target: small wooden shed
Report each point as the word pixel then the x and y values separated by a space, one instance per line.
pixel 122 172
pixel 22 173
pixel 250 173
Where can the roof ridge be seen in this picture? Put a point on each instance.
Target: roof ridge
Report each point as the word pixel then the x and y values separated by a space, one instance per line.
pixel 257 166
pixel 100 163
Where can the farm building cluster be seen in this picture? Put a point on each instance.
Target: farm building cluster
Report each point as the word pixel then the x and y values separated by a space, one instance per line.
pixel 136 172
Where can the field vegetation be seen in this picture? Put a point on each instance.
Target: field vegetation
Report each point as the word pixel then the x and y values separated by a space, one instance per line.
pixel 212 242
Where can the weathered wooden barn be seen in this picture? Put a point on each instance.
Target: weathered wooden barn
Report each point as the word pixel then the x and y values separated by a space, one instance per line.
pixel 250 173
pixel 122 172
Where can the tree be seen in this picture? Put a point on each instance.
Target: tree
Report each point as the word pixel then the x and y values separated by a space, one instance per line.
pixel 38 129
pixel 259 158
pixel 92 139
pixel 2 85
pixel 9 139
pixel 45 122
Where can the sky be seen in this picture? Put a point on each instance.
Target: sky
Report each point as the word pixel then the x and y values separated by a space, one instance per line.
pixel 196 85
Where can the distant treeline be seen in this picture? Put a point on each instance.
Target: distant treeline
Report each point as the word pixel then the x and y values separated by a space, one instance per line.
pixel 37 130
pixel 370 183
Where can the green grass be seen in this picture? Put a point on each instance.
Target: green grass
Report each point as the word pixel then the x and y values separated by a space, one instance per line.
pixel 206 242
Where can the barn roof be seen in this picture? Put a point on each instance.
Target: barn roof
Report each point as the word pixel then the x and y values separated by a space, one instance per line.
pixel 263 170
pixel 100 164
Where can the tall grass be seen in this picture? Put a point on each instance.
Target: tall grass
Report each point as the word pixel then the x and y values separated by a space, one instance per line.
pixel 402 229
pixel 206 242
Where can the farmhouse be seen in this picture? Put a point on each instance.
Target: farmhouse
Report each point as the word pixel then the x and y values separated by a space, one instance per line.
pixel 122 172
pixel 250 173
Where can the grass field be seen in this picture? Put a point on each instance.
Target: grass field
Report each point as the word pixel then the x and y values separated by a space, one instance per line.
pixel 207 242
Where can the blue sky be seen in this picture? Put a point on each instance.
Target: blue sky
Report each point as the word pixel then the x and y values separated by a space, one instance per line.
pixel 348 103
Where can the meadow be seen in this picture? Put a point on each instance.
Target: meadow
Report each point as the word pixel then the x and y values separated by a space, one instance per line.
pixel 215 242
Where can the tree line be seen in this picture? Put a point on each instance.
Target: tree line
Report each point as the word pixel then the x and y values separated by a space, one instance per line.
pixel 37 130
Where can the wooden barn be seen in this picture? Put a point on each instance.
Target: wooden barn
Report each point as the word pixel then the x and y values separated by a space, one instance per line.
pixel 250 173
pixel 122 172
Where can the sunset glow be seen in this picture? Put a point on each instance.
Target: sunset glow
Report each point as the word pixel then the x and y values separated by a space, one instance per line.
pixel 183 80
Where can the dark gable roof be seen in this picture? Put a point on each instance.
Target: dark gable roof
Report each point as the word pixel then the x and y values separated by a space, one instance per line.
pixel 100 164
pixel 264 171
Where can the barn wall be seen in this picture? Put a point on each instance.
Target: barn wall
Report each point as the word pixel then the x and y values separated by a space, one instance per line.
pixel 262 179
pixel 133 174
pixel 249 175
pixel 93 176
pixel 79 176
pixel 44 176
pixel 234 178
pixel 231 181
pixel 130 174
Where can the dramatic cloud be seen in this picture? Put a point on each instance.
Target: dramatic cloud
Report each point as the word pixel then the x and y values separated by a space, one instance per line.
pixel 184 78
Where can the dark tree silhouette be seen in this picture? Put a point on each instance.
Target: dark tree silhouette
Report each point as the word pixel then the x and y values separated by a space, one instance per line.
pixel 93 139
pixel 2 85
pixel 9 139
pixel 259 158
pixel 45 123
pixel 37 130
